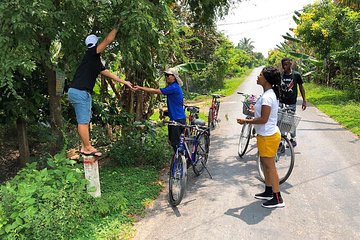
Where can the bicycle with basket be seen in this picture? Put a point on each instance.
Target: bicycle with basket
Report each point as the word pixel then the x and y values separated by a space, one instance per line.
pixel 287 123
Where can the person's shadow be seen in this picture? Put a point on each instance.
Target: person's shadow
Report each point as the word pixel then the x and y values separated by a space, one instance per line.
pixel 251 214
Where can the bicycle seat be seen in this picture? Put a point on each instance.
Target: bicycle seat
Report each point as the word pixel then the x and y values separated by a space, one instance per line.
pixel 199 122
pixel 216 95
pixel 192 109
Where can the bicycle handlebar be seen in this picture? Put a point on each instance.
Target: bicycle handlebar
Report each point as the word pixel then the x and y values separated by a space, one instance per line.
pixel 174 123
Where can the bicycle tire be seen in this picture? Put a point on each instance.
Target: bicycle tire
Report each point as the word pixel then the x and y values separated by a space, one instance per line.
pixel 217 110
pixel 210 119
pixel 244 139
pixel 201 153
pixel 177 179
pixel 284 162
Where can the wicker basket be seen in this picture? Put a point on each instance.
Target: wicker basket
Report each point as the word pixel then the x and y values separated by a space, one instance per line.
pixel 287 122
pixel 248 108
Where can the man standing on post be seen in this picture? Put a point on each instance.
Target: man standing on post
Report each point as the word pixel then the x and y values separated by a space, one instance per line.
pixel 81 87
pixel 175 103
pixel 289 90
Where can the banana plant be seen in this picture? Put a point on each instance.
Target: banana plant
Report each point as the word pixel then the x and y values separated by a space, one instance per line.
pixel 192 66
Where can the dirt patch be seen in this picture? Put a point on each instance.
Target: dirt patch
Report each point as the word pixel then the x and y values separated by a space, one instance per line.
pixel 9 163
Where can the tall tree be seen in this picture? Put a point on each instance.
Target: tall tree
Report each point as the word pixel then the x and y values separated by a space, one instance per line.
pixel 246 44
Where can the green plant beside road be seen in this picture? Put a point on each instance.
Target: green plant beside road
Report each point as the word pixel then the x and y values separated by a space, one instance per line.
pixel 337 104
pixel 52 203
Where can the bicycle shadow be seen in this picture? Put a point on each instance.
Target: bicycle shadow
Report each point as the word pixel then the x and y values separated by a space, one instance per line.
pixel 251 214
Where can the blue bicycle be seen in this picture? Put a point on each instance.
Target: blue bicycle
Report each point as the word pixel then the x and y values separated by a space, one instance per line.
pixel 192 150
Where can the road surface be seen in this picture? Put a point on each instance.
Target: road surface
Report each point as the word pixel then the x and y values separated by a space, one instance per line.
pixel 322 195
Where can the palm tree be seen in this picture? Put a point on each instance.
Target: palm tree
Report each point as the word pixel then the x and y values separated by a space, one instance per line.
pixel 246 44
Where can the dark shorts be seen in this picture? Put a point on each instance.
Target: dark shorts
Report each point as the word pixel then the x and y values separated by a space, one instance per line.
pixel 174 133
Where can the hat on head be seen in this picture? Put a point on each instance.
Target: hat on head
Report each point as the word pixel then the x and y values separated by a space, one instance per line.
pixel 174 72
pixel 91 40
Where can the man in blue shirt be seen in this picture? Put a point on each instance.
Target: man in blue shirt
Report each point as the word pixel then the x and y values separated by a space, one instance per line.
pixel 175 103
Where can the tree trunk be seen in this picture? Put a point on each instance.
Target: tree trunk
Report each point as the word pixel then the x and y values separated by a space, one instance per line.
pixel 139 106
pixel 56 119
pixel 23 141
pixel 104 95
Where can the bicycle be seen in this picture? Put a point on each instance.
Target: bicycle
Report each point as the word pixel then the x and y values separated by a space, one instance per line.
pixel 248 130
pixel 285 156
pixel 197 157
pixel 193 117
pixel 214 111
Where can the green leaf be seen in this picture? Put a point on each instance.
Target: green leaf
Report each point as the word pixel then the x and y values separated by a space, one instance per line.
pixel 296 20
pixel 192 66
pixel 308 73
pixel 291 39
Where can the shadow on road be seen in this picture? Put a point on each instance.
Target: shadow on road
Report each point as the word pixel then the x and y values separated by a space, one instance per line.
pixel 251 214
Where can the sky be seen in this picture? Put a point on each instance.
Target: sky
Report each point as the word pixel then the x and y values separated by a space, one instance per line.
pixel 263 21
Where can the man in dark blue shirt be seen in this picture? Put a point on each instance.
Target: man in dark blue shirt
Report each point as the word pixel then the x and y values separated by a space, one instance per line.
pixel 175 103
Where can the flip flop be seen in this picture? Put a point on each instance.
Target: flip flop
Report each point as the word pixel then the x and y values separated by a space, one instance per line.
pixel 95 154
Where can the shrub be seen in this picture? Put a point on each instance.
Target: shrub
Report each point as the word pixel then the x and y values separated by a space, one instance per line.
pixel 44 204
pixel 139 148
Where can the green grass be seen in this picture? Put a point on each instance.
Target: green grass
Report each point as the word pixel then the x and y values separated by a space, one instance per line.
pixel 336 104
pixel 130 188
pixel 231 84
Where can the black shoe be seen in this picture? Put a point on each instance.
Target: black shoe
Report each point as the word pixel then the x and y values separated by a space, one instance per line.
pixel 275 202
pixel 293 142
pixel 264 196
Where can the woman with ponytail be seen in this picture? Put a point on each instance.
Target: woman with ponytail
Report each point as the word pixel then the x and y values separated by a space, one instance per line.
pixel 268 134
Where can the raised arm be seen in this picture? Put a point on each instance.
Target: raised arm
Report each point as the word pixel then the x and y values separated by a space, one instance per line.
pixel 149 90
pixel 108 39
pixel 108 74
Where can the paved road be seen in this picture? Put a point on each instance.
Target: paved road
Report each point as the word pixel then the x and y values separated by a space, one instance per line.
pixel 322 195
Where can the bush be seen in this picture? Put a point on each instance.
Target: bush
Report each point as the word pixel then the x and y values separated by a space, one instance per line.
pixel 140 148
pixel 44 204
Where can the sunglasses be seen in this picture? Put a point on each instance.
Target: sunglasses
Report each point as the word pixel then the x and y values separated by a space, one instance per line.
pixel 167 74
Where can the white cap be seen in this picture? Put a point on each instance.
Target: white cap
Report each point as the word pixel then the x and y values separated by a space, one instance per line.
pixel 91 40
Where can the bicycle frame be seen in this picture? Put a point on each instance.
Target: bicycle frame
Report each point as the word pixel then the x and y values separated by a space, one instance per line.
pixel 184 148
pixel 214 106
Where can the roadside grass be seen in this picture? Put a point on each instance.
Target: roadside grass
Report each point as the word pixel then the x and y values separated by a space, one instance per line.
pixel 336 104
pixel 132 189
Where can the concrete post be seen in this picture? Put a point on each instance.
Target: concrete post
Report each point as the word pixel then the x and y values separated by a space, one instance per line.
pixel 91 169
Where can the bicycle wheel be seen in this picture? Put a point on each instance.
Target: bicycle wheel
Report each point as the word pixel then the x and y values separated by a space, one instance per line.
pixel 177 179
pixel 201 152
pixel 284 161
pixel 244 139
pixel 217 110
pixel 211 118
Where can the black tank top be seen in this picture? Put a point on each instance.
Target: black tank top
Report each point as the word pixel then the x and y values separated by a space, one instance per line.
pixel 88 71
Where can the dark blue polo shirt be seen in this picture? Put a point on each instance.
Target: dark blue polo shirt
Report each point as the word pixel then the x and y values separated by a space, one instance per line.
pixel 175 101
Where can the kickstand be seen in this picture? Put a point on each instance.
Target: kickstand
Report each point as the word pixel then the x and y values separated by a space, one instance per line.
pixel 206 170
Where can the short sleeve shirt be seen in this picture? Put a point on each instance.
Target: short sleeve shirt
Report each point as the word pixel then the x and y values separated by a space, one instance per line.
pixel 289 89
pixel 175 101
pixel 88 71
pixel 270 127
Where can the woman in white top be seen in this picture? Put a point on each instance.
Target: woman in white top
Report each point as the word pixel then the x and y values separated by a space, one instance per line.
pixel 268 134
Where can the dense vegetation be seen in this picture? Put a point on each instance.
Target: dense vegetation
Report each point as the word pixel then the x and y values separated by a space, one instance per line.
pixel 42 39
pixel 326 45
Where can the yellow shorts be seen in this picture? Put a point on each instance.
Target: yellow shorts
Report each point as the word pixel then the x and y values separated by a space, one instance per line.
pixel 268 145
